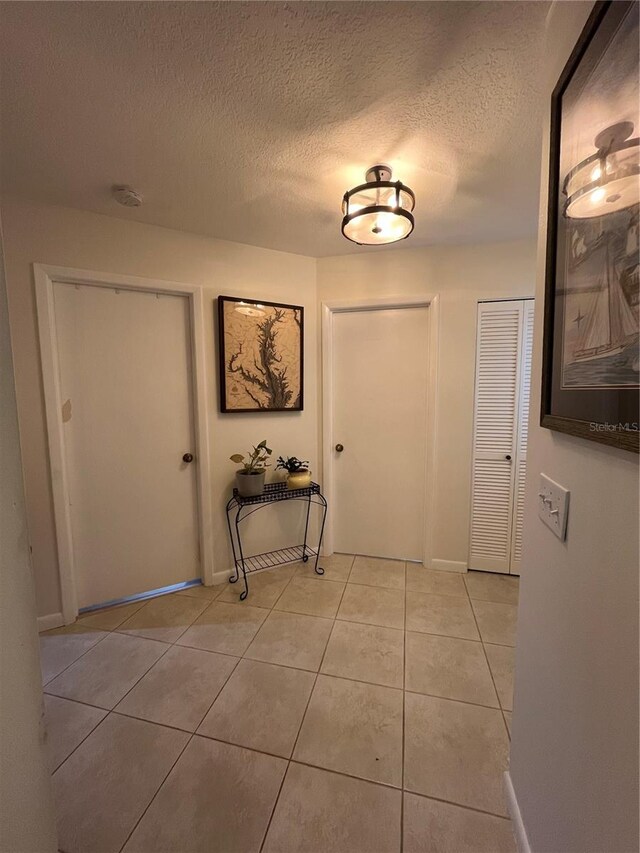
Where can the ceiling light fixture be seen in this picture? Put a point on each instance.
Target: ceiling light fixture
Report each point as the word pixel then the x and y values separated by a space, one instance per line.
pixel 379 211
pixel 608 180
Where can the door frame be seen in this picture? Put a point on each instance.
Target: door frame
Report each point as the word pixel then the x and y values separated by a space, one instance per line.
pixel 45 277
pixel 328 310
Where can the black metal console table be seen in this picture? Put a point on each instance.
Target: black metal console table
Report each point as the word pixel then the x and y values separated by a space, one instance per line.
pixel 273 493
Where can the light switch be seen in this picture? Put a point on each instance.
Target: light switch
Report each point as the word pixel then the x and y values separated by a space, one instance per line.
pixel 553 505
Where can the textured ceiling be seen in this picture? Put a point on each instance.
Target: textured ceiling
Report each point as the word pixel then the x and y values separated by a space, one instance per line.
pixel 248 121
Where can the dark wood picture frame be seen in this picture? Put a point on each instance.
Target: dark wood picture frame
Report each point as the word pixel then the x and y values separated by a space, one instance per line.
pixel 615 432
pixel 266 376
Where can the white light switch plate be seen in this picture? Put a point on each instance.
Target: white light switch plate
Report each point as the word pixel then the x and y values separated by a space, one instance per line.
pixel 553 505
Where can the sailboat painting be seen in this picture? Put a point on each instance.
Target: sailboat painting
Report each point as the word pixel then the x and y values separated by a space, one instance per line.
pixel 601 316
pixel 591 347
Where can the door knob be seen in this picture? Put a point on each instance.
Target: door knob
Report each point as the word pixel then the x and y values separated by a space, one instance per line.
pixel 188 457
pixel 508 457
pixel 339 448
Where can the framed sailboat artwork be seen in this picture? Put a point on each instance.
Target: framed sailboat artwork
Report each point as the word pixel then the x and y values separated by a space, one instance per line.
pixel 590 372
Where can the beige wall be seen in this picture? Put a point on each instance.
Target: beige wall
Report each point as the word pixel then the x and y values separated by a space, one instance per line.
pixel 73 238
pixel 461 275
pixel 574 754
pixel 27 822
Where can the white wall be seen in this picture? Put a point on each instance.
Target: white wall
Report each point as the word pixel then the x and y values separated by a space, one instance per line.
pixel 574 754
pixel 461 275
pixel 65 237
pixel 27 821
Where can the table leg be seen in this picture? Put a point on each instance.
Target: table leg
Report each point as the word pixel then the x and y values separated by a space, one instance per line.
pixel 245 591
pixel 318 569
pixel 233 579
pixel 305 556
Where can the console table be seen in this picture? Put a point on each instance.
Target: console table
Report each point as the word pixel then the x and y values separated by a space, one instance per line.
pixel 244 507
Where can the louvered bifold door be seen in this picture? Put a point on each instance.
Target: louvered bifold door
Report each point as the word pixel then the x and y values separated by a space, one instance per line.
pixel 520 461
pixel 498 366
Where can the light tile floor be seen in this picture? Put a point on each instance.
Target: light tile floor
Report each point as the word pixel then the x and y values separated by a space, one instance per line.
pixel 366 710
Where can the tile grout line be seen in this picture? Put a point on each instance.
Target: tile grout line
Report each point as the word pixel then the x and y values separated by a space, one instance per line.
pixel 122 698
pixel 101 640
pixel 484 649
pixel 287 666
pixel 84 618
pixel 148 806
pixel 115 630
pixel 112 710
pixel 191 734
pixel 459 701
pixel 493 681
pixel 81 742
pixel 453 803
pixel 150 722
pixel 242 656
pixel 291 760
pixel 295 743
pixel 346 775
pixel 284 589
pixel 238 659
pixel 78 702
pixel 288 760
pixel 131 636
pixel 219 693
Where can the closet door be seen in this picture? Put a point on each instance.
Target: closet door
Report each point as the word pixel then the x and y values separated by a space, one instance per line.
pixel 498 368
pixel 523 431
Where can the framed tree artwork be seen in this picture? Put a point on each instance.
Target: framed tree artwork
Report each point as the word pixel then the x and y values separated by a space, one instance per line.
pixel 261 356
pixel 590 374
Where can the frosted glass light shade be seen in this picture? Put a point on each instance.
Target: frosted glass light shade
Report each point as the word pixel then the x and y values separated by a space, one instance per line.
pixel 377 228
pixel 378 212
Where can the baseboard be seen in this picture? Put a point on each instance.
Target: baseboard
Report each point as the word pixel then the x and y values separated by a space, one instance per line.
pixel 448 566
pixel 51 620
pixel 522 842
pixel 56 620
pixel 221 577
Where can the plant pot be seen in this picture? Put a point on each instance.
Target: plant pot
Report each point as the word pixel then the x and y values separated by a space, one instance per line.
pixel 250 485
pixel 299 479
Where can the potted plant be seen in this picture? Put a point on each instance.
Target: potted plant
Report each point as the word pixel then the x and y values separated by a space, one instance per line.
pixel 250 478
pixel 298 475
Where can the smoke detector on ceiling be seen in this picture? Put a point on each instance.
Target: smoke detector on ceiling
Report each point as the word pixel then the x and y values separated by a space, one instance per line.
pixel 126 196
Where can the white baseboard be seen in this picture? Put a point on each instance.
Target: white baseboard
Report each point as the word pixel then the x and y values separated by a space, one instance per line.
pixel 51 620
pixel 448 566
pixel 221 577
pixel 56 620
pixel 522 842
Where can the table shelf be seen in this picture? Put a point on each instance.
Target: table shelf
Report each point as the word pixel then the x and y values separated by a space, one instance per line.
pixel 276 492
pixel 243 507
pixel 271 559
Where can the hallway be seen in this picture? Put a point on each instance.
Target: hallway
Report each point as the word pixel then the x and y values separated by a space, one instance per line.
pixel 367 710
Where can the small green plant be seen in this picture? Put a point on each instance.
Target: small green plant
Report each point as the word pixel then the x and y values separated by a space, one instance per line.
pixel 256 462
pixel 292 464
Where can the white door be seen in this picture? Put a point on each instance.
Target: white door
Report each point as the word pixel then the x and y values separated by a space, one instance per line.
pixel 126 390
pixel 380 362
pixel 503 369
